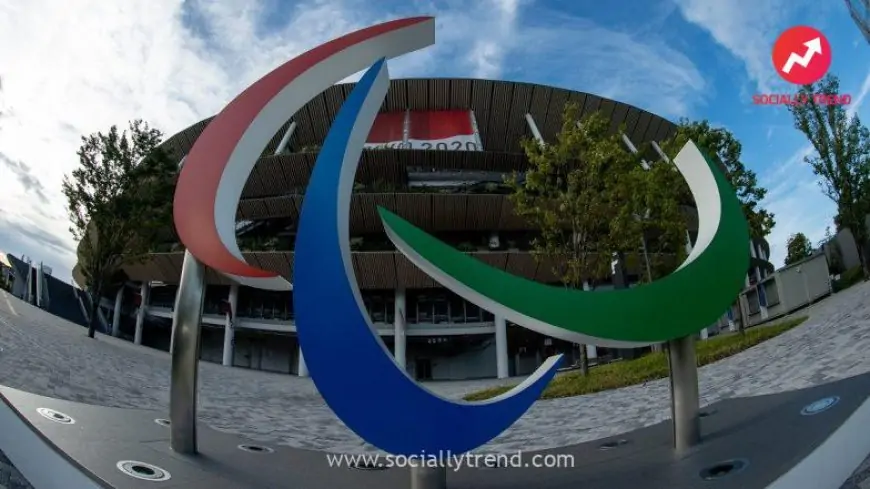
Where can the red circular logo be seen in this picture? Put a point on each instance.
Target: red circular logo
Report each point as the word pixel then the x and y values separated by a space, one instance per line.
pixel 802 55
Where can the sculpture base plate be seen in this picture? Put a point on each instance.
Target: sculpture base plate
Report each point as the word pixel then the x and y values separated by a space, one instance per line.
pixel 812 438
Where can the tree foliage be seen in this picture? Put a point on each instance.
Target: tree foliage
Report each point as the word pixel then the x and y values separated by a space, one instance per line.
pixel 119 200
pixel 798 247
pixel 591 198
pixel 833 252
pixel 841 157
pixel 721 144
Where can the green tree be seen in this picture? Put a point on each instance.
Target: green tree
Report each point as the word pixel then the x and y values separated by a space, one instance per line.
pixel 841 156
pixel 832 252
pixel 798 247
pixel 119 199
pixel 590 198
pixel 720 143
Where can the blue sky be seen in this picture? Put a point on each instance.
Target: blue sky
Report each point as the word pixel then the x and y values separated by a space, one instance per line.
pixel 174 62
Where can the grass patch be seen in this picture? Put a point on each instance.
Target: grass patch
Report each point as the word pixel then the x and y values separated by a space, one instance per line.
pixel 648 367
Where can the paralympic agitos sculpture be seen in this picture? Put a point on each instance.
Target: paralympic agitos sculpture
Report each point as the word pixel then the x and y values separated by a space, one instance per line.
pixel 348 362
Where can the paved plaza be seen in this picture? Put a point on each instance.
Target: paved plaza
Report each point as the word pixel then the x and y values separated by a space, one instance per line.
pixel 45 355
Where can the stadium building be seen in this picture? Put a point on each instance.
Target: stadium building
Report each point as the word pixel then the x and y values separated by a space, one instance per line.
pixel 437 155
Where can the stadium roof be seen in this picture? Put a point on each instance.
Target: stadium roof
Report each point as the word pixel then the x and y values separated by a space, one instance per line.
pixel 499 108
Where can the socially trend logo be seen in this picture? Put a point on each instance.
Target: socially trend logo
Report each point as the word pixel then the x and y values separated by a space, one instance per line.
pixel 349 364
pixel 801 56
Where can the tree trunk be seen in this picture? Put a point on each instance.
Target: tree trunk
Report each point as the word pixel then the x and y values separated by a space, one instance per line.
pixel 741 327
pixel 94 309
pixel 584 360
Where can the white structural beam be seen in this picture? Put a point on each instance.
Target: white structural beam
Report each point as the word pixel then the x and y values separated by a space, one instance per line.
pixel 286 139
pixel 661 153
pixel 534 128
pixel 631 147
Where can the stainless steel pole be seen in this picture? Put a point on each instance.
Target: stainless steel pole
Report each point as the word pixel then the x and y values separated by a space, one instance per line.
pixel 428 477
pixel 185 355
pixel 685 403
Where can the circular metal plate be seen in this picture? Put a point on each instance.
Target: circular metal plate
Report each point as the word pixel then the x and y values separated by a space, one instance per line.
pixel 56 416
pixel 820 406
pixel 255 448
pixel 143 471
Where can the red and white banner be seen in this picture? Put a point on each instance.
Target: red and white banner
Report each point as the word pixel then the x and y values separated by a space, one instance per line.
pixel 388 131
pixel 445 130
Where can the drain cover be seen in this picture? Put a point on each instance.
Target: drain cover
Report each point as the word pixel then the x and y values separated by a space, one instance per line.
pixel 612 444
pixel 820 406
pixel 255 449
pixel 162 422
pixel 142 470
pixel 723 469
pixel 56 416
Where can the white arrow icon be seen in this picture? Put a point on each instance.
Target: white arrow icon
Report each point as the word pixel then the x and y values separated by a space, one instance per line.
pixel 814 47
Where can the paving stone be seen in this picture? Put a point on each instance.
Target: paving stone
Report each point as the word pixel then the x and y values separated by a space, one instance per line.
pixel 46 355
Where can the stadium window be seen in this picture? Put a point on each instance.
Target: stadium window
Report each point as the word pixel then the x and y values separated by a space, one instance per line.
pixel 488 317
pixel 472 313
pixel 390 301
pixel 424 308
pixel 411 307
pixel 377 308
pixel 457 308
pixel 441 309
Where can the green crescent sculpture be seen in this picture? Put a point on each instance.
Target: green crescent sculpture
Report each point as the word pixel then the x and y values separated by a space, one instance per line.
pixel 686 301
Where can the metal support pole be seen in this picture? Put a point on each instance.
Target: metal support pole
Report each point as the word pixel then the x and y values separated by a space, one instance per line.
pixel 428 477
pixel 685 405
pixel 185 355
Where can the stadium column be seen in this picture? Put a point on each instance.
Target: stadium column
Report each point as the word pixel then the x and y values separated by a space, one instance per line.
pixel 144 294
pixel 116 313
pixel 229 327
pixel 399 338
pixel 501 349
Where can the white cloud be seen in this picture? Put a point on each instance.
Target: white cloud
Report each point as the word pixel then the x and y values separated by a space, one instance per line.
pixel 746 28
pixel 638 69
pixel 73 67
